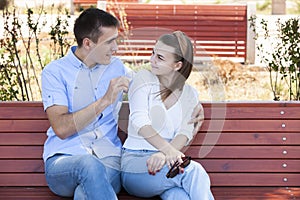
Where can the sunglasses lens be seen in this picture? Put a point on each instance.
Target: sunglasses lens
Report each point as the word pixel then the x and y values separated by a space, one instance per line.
pixel 175 168
pixel 186 162
pixel 173 173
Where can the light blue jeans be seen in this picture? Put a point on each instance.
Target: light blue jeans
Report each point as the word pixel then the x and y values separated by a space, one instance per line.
pixel 193 184
pixel 83 176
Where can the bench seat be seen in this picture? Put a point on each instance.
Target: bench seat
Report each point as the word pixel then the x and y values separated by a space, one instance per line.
pixel 221 193
pixel 250 150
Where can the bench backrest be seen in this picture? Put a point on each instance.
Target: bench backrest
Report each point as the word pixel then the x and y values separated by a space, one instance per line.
pixel 216 30
pixel 239 144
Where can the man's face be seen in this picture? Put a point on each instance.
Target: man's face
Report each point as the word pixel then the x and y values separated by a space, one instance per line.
pixel 102 51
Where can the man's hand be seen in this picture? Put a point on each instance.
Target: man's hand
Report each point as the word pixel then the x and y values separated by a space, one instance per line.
pixel 197 117
pixel 116 85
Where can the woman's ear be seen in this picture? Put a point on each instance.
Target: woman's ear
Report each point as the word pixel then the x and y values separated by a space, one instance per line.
pixel 178 65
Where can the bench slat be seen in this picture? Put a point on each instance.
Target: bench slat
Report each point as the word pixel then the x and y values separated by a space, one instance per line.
pixel 217 179
pixel 17 166
pixel 220 193
pixel 254 138
pixel 21 152
pixel 246 110
pixel 244 152
pixel 255 193
pixel 22 138
pixel 250 165
pixel 25 125
pixel 251 125
pixel 211 165
pixel 22 179
pixel 195 151
pixel 24 113
pixel 259 179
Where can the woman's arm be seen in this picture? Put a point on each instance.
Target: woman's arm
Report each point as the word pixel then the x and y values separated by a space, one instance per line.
pixel 170 150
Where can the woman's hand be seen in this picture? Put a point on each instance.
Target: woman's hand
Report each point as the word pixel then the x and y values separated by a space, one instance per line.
pixel 173 155
pixel 156 162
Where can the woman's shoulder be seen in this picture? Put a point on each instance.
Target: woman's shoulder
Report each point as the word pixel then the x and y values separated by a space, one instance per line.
pixel 144 75
pixel 190 91
pixel 145 72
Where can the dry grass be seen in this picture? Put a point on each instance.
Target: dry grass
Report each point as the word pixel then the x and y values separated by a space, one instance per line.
pixel 225 80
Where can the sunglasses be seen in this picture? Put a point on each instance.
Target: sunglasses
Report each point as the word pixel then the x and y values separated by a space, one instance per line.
pixel 175 168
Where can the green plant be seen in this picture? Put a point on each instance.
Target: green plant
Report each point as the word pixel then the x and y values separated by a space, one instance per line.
pixel 264 6
pixel 24 51
pixel 59 33
pixel 283 60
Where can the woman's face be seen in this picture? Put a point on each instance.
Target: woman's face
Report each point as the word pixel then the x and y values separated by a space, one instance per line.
pixel 163 60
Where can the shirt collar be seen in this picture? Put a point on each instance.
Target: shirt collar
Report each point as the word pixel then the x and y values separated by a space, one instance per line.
pixel 76 62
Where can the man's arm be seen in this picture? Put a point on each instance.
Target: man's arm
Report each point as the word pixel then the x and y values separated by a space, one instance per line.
pixel 66 124
pixel 197 117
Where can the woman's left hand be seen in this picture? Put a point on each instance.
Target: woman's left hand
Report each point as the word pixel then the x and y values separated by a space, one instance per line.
pixel 156 162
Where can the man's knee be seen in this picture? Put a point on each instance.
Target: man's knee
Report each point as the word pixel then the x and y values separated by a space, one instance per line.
pixel 91 166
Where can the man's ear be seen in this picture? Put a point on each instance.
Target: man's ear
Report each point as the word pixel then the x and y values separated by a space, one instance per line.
pixel 178 65
pixel 86 43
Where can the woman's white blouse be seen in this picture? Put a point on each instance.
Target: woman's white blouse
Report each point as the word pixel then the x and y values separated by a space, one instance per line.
pixel 147 108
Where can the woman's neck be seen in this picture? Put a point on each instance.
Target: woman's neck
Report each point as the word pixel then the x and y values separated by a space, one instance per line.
pixel 165 80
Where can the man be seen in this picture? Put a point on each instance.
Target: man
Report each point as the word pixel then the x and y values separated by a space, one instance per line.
pixel 80 91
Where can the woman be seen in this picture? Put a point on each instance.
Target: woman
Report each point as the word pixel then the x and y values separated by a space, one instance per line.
pixel 160 105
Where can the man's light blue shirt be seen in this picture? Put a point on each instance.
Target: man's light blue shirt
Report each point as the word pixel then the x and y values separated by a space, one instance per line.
pixel 68 82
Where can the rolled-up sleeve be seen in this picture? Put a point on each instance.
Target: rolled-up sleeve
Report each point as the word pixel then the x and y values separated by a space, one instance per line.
pixel 53 89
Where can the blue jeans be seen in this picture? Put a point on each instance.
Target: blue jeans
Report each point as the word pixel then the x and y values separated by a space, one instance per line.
pixel 83 176
pixel 193 184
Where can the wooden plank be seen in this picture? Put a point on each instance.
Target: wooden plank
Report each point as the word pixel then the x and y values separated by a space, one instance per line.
pixel 24 112
pixel 250 165
pixel 28 193
pixel 244 110
pixel 252 138
pixel 21 166
pixel 217 179
pixel 22 179
pixel 255 193
pixel 262 125
pixel 244 152
pixel 31 126
pixel 220 193
pixel 255 179
pixel 238 25
pixel 21 152
pixel 22 138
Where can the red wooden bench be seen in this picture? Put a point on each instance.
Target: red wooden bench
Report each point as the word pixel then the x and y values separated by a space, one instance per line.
pixel 250 150
pixel 216 30
pixel 94 2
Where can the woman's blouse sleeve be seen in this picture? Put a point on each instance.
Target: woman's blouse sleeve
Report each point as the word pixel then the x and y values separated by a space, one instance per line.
pixel 138 95
pixel 189 102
